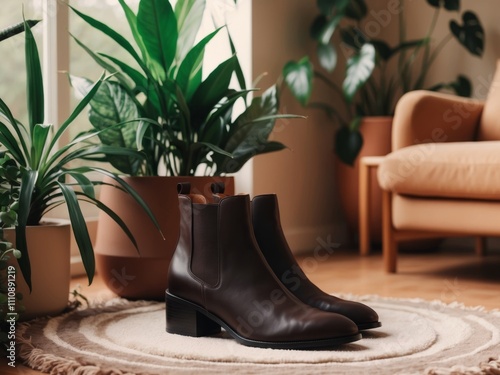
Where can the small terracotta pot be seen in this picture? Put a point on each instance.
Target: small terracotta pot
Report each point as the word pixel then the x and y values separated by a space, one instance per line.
pixel 49 252
pixel 376 132
pixel 143 274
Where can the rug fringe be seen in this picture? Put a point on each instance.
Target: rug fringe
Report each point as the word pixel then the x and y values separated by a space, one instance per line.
pixel 492 367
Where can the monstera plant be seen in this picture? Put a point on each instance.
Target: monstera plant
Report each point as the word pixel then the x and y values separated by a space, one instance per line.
pixel 371 87
pixel 183 122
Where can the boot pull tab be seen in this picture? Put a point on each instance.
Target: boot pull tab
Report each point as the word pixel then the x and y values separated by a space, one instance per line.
pixel 184 188
pixel 218 189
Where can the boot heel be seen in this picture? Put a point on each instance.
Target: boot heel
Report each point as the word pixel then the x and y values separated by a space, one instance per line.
pixel 184 319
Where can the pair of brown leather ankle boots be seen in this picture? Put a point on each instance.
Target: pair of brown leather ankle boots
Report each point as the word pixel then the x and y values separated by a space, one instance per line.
pixel 233 269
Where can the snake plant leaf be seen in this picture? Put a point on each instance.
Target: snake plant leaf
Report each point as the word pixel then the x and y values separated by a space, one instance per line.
pixel 189 75
pixel 80 230
pixel 211 91
pixel 38 143
pixel 356 10
pixel 359 69
pixel 448 4
pixel 470 34
pixel 28 181
pixel 299 79
pixel 16 29
pixel 327 56
pixel 84 182
pixel 8 140
pixel 157 25
pixel 189 14
pixel 348 143
pixel 35 96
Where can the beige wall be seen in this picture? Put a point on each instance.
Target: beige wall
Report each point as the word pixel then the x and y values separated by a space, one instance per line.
pixel 303 177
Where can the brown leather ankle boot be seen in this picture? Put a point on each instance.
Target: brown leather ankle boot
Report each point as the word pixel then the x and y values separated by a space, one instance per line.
pixel 272 243
pixel 219 278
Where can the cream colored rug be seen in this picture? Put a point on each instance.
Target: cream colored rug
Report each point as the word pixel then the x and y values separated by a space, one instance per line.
pixel 122 337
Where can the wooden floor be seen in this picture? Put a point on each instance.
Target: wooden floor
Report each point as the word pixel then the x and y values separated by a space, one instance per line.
pixel 451 274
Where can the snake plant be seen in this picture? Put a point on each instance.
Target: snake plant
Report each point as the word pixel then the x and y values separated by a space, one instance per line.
pixel 40 171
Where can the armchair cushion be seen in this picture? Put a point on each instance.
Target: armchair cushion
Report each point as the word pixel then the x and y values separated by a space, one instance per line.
pixel 468 170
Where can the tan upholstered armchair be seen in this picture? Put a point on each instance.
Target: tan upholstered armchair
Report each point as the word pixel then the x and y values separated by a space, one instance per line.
pixel 442 177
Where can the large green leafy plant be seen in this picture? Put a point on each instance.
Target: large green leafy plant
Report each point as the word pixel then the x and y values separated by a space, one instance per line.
pixel 180 120
pixel 376 73
pixel 38 171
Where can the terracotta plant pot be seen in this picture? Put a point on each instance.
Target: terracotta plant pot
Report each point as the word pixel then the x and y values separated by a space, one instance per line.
pixel 376 133
pixel 49 251
pixel 143 275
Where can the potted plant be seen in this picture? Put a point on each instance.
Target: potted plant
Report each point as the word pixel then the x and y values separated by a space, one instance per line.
pixel 182 122
pixel 37 172
pixel 371 87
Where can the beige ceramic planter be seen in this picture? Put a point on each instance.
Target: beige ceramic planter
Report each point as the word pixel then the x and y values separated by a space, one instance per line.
pixel 49 250
pixel 123 270
pixel 376 133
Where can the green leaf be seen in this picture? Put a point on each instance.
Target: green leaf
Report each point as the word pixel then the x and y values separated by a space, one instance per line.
pixel 327 7
pixel 85 184
pixel 132 22
pixel 299 79
pixel 34 80
pixel 356 10
pixel 124 43
pixel 448 4
pixel 157 25
pixel 80 230
pixel 211 91
pixel 470 34
pixel 348 144
pixel 462 86
pixel 28 182
pixel 353 37
pixel 327 56
pixel 189 14
pixel 39 141
pixel 189 74
pixel 359 70
pixel 16 29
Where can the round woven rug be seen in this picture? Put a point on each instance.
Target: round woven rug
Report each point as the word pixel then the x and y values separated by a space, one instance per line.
pixel 122 337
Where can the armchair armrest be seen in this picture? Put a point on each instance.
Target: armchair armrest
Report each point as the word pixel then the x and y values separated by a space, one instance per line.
pixel 425 117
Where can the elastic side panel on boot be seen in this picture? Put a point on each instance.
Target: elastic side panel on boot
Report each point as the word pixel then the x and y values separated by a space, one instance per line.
pixel 205 256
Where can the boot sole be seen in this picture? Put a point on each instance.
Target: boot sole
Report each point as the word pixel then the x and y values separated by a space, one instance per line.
pixel 188 319
pixel 365 326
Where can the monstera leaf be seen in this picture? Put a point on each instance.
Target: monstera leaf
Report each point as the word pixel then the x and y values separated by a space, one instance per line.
pixel 470 34
pixel 298 77
pixel 359 70
pixel 448 4
pixel 348 142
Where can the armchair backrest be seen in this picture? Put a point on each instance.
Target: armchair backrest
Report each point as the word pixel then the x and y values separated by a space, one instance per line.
pixel 489 126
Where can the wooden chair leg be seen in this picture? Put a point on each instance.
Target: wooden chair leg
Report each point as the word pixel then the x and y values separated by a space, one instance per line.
pixel 480 246
pixel 389 246
pixel 364 208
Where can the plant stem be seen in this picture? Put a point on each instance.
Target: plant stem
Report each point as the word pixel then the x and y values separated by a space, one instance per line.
pixel 431 59
pixel 335 88
pixel 426 62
